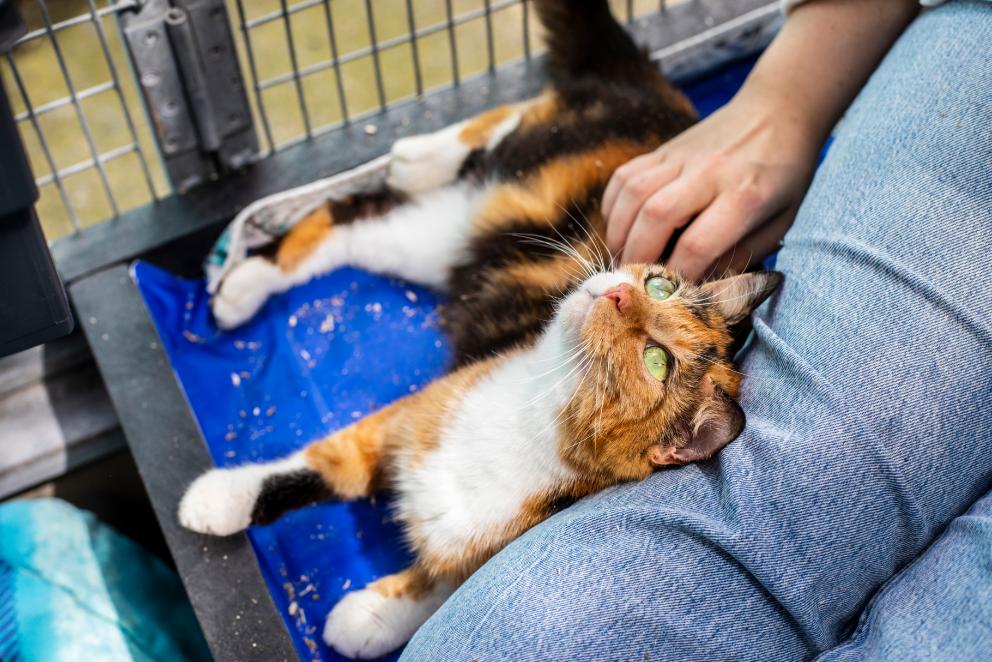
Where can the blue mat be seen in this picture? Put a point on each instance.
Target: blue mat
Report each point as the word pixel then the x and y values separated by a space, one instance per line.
pixel 316 359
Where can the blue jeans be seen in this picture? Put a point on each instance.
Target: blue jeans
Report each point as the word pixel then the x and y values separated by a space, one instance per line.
pixel 869 428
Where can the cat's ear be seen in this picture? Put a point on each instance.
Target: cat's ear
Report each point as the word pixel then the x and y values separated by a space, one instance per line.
pixel 737 296
pixel 717 422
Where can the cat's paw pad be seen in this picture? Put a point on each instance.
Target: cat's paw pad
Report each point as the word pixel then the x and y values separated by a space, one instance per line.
pixel 366 624
pixel 220 502
pixel 423 163
pixel 244 291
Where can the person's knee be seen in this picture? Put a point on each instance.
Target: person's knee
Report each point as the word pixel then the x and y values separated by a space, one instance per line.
pixel 605 583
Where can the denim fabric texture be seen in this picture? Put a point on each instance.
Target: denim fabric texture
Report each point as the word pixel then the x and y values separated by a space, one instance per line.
pixel 939 607
pixel 869 427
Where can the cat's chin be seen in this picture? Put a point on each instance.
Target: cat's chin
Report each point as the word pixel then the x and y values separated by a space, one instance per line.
pixel 573 313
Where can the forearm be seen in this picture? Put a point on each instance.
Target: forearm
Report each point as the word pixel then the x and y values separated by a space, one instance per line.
pixel 823 55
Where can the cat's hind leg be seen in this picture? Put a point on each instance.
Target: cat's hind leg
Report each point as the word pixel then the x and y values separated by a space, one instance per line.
pixel 380 618
pixel 251 282
pixel 346 465
pixel 432 160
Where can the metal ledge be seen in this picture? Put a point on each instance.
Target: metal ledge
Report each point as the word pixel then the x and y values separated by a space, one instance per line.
pixel 221 575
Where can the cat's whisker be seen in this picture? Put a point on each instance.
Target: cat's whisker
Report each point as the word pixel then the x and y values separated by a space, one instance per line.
pixel 541 395
pixel 560 247
pixel 584 227
pixel 568 359
pixel 590 268
pixel 599 404
pixel 598 243
pixel 582 439
pixel 565 407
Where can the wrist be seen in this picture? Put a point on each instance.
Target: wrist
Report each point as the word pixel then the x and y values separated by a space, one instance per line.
pixel 797 125
pixel 821 58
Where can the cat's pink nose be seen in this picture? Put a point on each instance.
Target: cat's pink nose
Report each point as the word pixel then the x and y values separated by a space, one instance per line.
pixel 622 294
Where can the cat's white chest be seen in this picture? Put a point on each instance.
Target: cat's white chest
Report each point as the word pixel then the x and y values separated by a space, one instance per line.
pixel 493 455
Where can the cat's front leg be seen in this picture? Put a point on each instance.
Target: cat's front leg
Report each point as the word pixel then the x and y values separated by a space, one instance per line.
pixel 346 465
pixel 373 621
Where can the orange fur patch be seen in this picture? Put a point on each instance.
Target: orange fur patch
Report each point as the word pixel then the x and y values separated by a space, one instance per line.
pixel 552 277
pixel 544 194
pixel 476 133
pixel 354 461
pixel 350 459
pixel 457 564
pixel 304 237
pixel 425 413
pixel 542 109
pixel 412 583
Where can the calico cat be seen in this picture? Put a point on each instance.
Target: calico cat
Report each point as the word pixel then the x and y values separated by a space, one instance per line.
pixel 570 375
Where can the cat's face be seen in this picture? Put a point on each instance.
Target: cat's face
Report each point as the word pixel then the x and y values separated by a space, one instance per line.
pixel 657 387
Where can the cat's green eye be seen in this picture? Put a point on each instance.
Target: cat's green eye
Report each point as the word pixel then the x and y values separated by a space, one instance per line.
pixel 656 361
pixel 659 288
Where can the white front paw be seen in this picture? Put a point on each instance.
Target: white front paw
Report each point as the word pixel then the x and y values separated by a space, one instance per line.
pixel 244 291
pixel 423 163
pixel 220 502
pixel 365 624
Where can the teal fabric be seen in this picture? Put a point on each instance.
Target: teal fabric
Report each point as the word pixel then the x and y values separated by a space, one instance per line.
pixel 72 588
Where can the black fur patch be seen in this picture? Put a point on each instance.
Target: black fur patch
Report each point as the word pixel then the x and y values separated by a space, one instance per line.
pixel 486 315
pixel 596 112
pixel 288 491
pixel 369 204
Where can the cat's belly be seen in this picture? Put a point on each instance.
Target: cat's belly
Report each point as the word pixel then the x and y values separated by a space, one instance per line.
pixel 446 513
pixel 487 469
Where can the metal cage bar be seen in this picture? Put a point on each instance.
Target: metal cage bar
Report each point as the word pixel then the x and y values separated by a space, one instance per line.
pixel 393 42
pixel 77 20
pixel 253 68
pixel 525 28
pixel 487 10
pixel 376 63
pixel 64 101
pixel 33 117
pixel 133 120
pixel 452 42
pixel 83 121
pixel 296 70
pixel 411 24
pixel 333 43
pixel 115 84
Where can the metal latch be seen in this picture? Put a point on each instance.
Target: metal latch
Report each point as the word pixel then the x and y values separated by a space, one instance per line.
pixel 187 67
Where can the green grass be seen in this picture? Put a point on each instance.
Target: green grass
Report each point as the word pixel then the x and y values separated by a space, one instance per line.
pixel 87 67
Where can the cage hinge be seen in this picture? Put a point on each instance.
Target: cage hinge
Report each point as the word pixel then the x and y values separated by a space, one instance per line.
pixel 187 68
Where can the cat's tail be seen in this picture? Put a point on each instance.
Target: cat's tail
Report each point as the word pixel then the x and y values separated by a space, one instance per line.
pixel 584 39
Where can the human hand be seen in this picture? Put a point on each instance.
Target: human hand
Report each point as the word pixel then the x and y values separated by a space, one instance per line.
pixel 733 181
